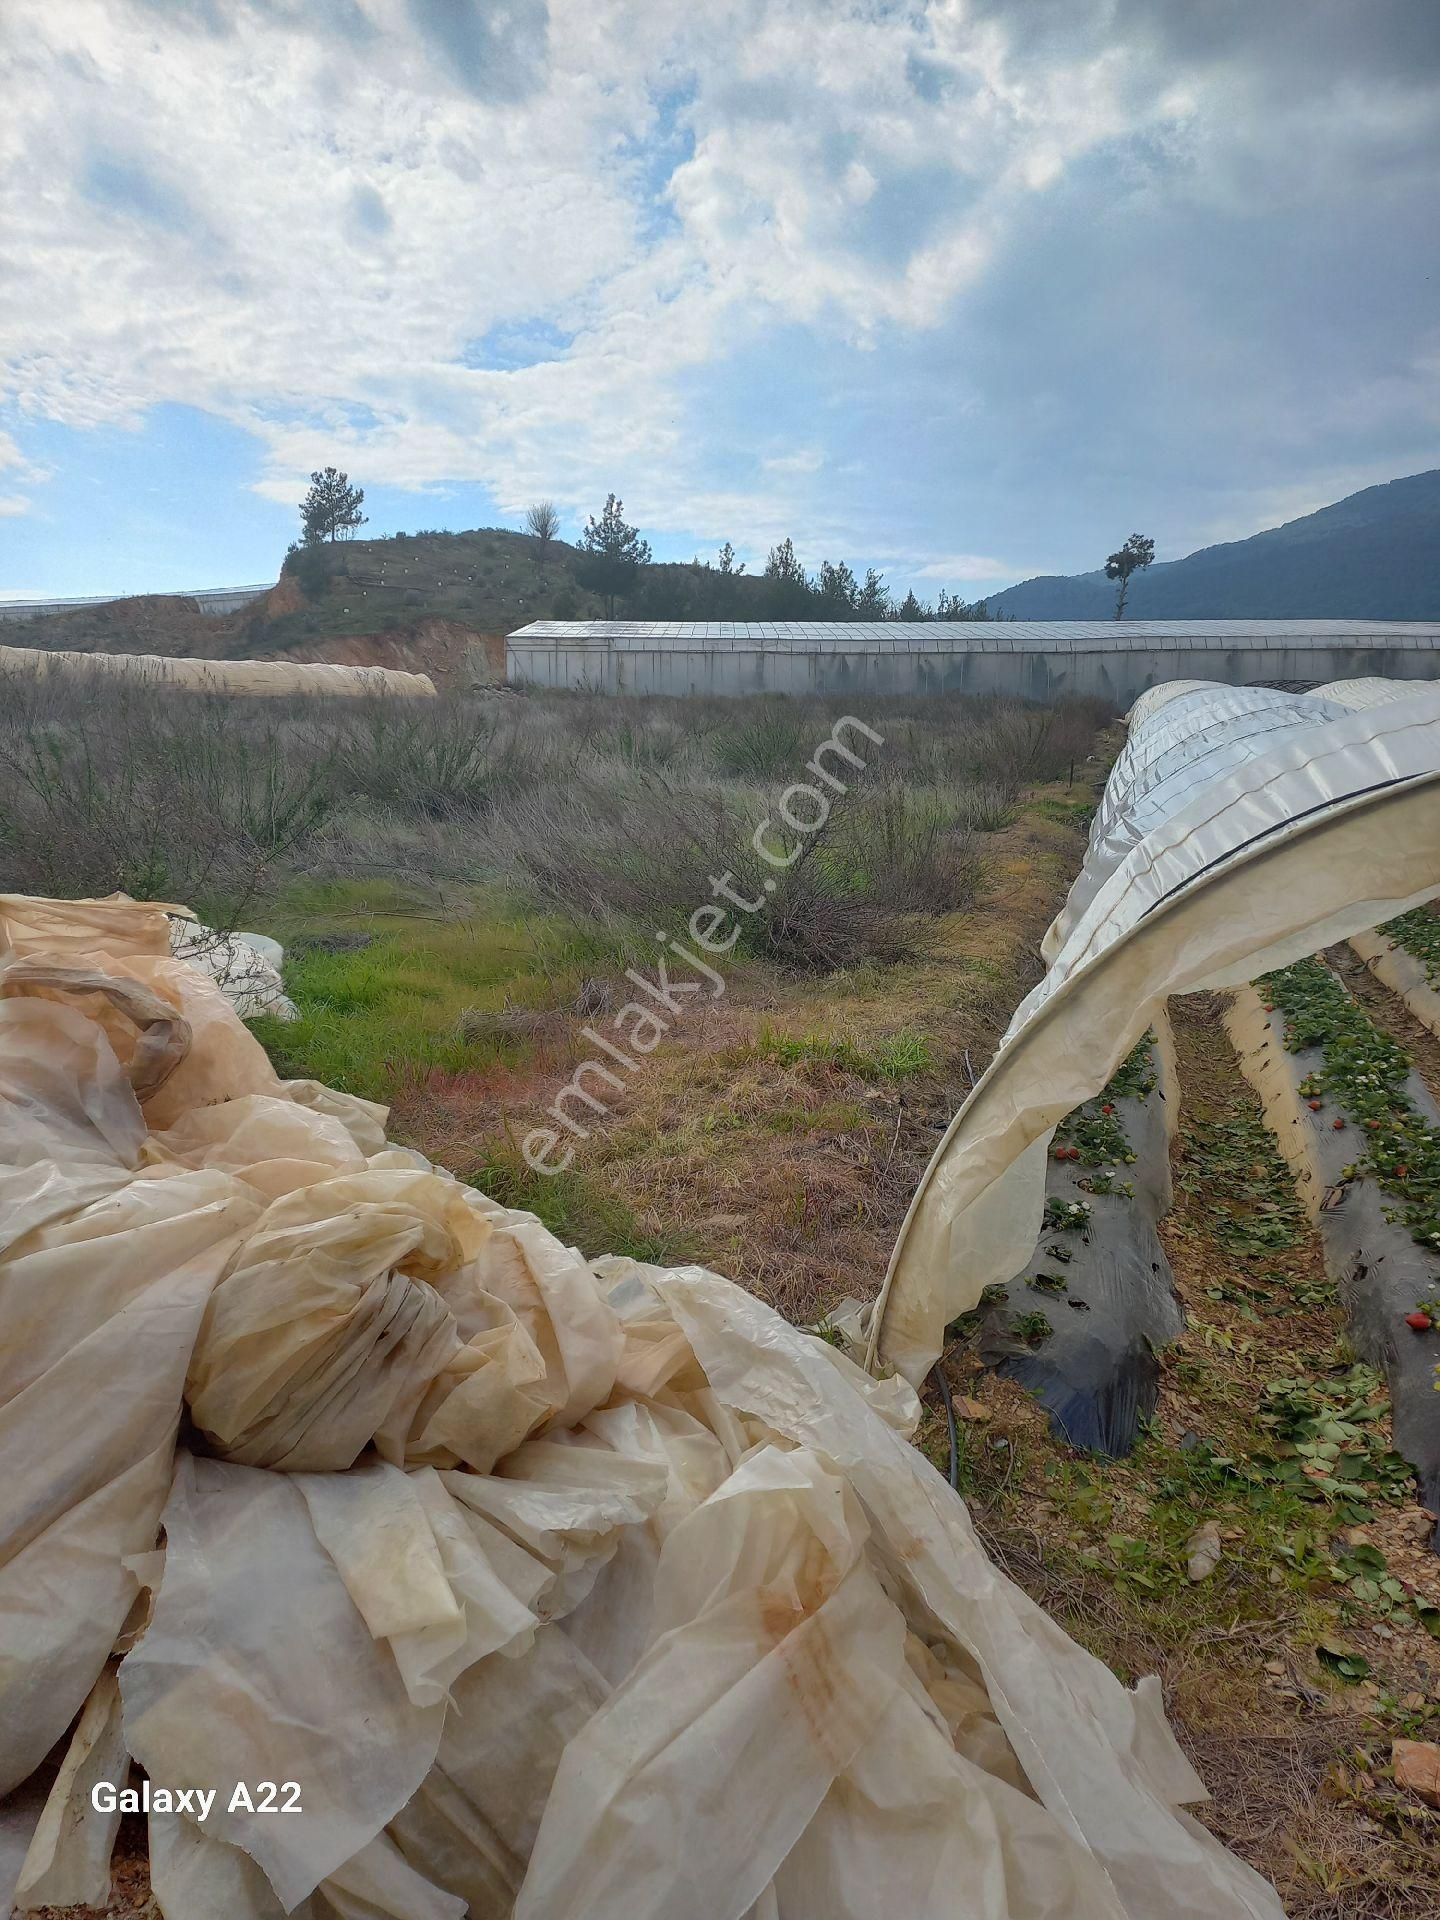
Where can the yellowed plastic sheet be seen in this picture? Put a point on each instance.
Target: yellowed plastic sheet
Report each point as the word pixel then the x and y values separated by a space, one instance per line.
pixel 558 1589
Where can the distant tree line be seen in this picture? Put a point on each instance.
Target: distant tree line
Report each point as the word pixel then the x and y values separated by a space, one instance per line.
pixel 614 561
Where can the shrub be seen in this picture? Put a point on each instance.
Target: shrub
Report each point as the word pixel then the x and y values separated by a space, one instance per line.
pixel 114 785
pixel 435 759
pixel 855 889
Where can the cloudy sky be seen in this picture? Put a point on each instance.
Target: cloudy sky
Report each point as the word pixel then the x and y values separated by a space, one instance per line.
pixel 966 290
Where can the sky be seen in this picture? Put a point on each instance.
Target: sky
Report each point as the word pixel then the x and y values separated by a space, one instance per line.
pixel 965 290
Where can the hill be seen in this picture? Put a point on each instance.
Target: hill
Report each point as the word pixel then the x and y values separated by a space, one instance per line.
pixel 1375 555
pixel 414 600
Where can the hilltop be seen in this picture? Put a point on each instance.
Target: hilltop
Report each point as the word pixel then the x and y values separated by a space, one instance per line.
pixel 411 600
pixel 1374 555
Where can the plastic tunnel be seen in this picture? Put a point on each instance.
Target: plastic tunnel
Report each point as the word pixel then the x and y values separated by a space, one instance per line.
pixel 1241 829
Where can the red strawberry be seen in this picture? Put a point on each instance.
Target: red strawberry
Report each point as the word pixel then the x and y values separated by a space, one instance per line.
pixel 1419 1321
pixel 1107 1108
pixel 1337 1125
pixel 1402 1173
pixel 1314 1106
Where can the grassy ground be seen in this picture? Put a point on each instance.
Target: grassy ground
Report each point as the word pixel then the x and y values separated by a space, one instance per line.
pixel 776 1134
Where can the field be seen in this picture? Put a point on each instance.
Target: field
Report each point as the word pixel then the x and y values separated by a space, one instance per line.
pixel 467 890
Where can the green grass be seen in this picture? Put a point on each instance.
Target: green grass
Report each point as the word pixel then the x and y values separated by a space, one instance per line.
pixel 578 1210
pixel 395 1009
pixel 895 1058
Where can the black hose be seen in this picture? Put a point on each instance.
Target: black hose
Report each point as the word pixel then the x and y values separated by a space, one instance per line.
pixel 944 1386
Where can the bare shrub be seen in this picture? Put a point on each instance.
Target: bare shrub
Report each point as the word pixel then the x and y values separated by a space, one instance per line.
pixel 431 759
pixel 858 887
pixel 117 785
pixel 609 808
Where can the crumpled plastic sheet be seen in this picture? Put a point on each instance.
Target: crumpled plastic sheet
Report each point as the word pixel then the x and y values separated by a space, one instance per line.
pixel 561 1589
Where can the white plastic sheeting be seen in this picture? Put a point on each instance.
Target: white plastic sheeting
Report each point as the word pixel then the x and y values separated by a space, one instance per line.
pixel 1368 691
pixel 564 1591
pixel 245 966
pixel 257 677
pixel 1242 828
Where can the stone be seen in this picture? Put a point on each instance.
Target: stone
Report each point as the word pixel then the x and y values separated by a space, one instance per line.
pixel 1417 1768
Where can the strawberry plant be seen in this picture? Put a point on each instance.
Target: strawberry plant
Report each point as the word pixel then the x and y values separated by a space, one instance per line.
pixel 1094 1133
pixel 1066 1216
pixel 1032 1328
pixel 1365 1073
pixel 1418 932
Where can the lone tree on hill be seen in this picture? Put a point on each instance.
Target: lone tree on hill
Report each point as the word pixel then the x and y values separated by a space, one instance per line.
pixel 1133 557
pixel 542 523
pixel 331 506
pixel 612 554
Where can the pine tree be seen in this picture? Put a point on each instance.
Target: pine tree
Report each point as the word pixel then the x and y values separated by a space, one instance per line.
pixel 612 554
pixel 873 602
pixel 837 591
pixel 788 593
pixel 331 506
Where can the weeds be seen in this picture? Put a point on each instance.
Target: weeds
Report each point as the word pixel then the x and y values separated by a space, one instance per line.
pixel 615 812
pixel 1235 1174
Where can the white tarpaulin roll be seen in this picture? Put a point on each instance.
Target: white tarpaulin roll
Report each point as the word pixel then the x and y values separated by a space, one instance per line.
pixel 258 677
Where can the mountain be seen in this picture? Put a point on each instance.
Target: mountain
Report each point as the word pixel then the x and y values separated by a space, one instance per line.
pixel 1373 556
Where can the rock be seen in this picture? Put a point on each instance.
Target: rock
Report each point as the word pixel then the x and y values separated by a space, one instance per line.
pixel 968 1409
pixel 1417 1768
pixel 1202 1551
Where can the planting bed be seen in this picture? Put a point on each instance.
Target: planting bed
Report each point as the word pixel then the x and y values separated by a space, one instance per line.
pixel 1362 1134
pixel 1405 957
pixel 1081 1328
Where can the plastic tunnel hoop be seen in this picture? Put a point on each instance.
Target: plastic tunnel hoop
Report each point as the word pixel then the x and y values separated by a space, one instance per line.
pixel 1333 830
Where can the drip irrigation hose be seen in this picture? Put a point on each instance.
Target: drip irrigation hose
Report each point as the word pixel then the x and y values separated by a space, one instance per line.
pixel 944 1386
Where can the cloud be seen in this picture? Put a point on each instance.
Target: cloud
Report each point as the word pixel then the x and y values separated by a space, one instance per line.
pixel 12 505
pixel 802 460
pixel 996 272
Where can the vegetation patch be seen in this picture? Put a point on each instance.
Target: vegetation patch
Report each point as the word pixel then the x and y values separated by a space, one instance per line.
pixel 1235 1175
pixel 1364 1073
pixel 1418 932
pixel 894 1058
